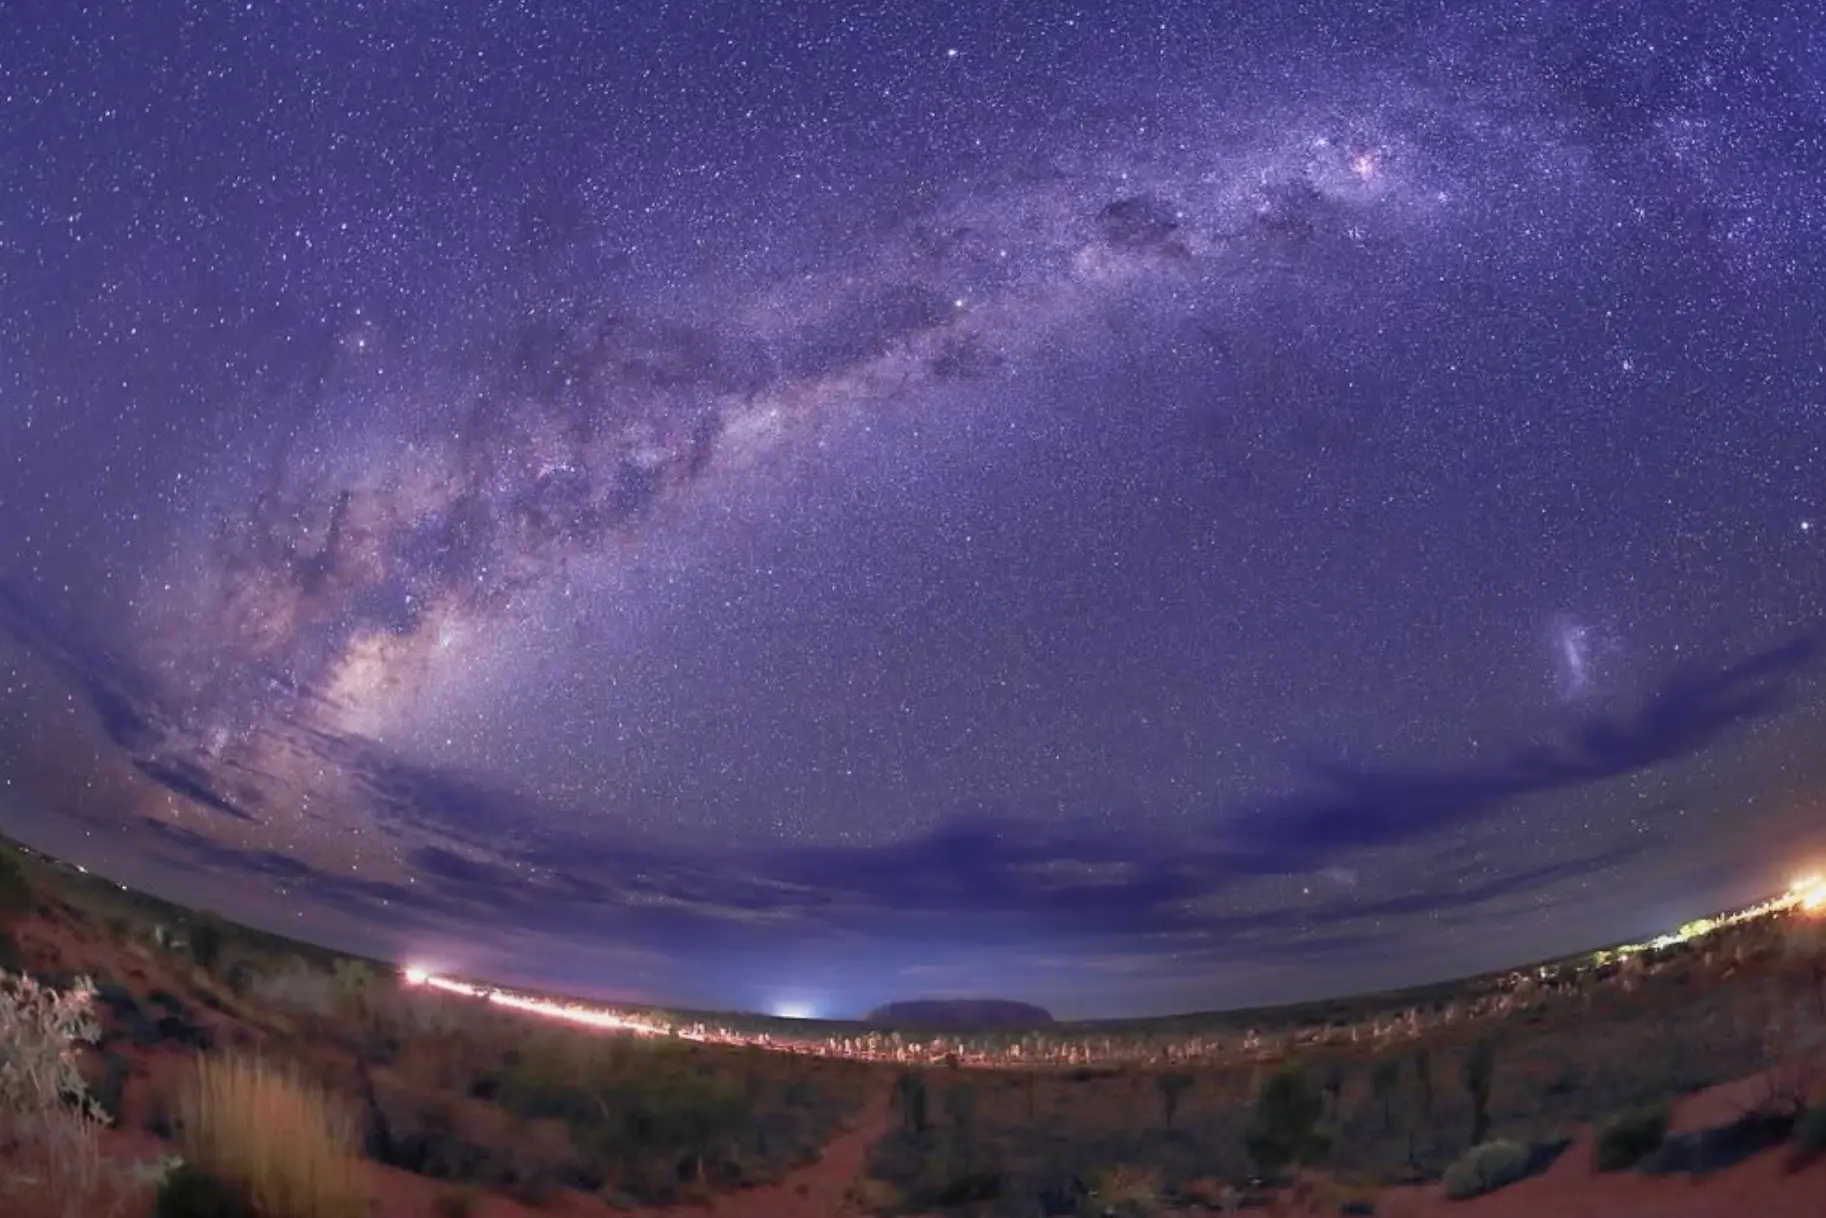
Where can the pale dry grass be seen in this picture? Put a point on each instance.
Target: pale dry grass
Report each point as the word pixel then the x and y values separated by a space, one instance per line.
pixel 265 1129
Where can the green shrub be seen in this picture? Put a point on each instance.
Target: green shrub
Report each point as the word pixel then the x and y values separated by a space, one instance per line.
pixel 1630 1136
pixel 15 892
pixel 1478 1069
pixel 205 939
pixel 1284 1128
pixel 910 1096
pixel 1486 1168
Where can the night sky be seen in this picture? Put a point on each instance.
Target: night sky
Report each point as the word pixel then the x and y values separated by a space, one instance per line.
pixel 1135 507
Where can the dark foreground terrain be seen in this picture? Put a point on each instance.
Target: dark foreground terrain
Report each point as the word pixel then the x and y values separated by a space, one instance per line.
pixel 295 1083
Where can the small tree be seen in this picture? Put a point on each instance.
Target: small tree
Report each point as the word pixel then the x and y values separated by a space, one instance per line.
pixel 960 1105
pixel 910 1094
pixel 1333 1081
pixel 1423 1096
pixel 1284 1129
pixel 1385 1081
pixel 50 1125
pixel 15 891
pixel 1479 1068
pixel 1173 1088
pixel 206 937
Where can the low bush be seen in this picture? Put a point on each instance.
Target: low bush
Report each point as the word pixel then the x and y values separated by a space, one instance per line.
pixel 1284 1129
pixel 1486 1168
pixel 15 891
pixel 1629 1137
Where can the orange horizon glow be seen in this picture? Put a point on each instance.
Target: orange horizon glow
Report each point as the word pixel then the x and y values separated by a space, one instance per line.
pixel 1808 894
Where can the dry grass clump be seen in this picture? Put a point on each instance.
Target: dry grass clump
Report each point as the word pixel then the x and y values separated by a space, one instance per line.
pixel 271 1136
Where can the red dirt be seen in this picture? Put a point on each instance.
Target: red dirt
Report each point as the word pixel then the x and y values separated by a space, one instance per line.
pixel 1763 1187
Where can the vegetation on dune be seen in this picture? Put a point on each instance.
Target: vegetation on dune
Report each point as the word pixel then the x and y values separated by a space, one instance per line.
pixel 15 891
pixel 1629 1137
pixel 260 1135
pixel 1284 1130
pixel 1486 1168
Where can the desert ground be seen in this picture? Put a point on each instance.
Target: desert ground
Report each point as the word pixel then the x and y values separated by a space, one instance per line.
pixel 229 1073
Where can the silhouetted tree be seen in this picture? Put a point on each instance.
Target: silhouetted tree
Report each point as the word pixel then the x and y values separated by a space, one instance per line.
pixel 1423 1095
pixel 1333 1081
pixel 206 940
pixel 1284 1129
pixel 15 892
pixel 960 1105
pixel 1172 1088
pixel 910 1093
pixel 1479 1068
pixel 1385 1080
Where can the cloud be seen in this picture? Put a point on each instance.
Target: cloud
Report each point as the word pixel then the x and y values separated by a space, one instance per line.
pixel 483 855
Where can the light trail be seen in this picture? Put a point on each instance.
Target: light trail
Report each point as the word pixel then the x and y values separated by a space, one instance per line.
pixel 1806 896
pixel 593 1017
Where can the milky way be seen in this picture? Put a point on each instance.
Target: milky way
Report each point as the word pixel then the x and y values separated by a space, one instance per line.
pixel 839 490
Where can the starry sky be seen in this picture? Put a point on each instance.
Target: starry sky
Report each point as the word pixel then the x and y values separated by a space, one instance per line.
pixel 1136 506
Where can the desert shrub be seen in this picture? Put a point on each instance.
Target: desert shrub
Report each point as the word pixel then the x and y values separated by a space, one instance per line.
pixel 206 939
pixel 1479 1069
pixel 456 1203
pixel 270 1137
pixel 354 982
pixel 1127 1189
pixel 1284 1128
pixel 1385 1081
pixel 1486 1168
pixel 49 1123
pixel 298 989
pixel 1628 1137
pixel 1173 1087
pixel 15 890
pixel 111 1087
pixel 650 1118
pixel 910 1098
pixel 191 1192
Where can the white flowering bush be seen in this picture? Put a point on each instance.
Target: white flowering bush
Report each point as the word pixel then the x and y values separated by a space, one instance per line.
pixel 50 1126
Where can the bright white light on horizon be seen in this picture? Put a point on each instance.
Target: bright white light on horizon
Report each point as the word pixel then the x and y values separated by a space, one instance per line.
pixel 571 1012
pixel 1809 894
pixel 794 1010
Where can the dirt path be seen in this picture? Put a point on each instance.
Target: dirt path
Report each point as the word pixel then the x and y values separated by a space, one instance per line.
pixel 816 1191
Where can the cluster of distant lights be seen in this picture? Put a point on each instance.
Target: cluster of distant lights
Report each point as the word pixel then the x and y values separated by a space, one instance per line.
pixel 1806 895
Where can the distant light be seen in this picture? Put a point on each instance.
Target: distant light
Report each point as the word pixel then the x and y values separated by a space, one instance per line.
pixel 416 975
pixel 794 1010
